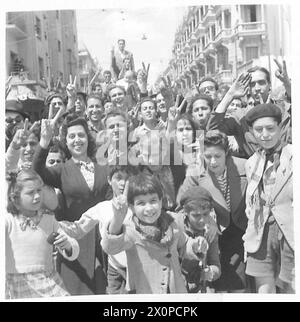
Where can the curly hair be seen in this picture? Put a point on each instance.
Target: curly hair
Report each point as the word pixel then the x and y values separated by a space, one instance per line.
pixel 72 120
pixel 216 138
pixel 204 97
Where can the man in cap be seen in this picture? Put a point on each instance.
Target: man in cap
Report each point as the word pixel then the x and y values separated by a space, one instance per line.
pixel 14 119
pixel 269 237
pixel 257 80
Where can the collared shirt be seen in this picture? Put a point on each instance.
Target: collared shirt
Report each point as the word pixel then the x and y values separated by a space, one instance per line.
pixel 87 169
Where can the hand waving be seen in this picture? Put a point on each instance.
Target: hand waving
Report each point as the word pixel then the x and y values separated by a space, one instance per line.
pixel 240 86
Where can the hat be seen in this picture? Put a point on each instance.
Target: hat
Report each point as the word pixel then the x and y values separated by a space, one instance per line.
pixel 197 193
pixel 83 94
pixel 15 106
pixel 51 96
pixel 263 110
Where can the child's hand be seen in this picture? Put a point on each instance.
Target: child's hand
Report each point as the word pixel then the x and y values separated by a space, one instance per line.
pixel 200 246
pixel 207 274
pixel 119 201
pixel 62 242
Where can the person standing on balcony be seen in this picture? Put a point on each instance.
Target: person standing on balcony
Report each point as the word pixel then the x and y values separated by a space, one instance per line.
pixel 257 80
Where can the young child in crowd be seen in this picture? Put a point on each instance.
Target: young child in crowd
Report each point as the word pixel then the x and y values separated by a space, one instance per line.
pixel 151 238
pixel 30 235
pixel 101 214
pixel 196 219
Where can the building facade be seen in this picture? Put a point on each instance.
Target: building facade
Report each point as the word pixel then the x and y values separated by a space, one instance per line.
pixel 225 40
pixel 43 44
pixel 87 68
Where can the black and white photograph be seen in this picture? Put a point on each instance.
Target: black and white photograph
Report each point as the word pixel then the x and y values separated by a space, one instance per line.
pixel 149 151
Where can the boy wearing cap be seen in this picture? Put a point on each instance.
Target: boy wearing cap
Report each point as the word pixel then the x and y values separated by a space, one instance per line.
pixel 269 237
pixel 196 219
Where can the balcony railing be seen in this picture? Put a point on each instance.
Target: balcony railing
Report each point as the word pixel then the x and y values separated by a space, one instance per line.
pixel 250 28
pixel 223 34
pixel 209 15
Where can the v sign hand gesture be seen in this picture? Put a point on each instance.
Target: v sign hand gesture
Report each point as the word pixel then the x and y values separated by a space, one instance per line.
pixel 120 208
pixel 119 202
pixel 71 88
pixel 174 113
pixel 283 76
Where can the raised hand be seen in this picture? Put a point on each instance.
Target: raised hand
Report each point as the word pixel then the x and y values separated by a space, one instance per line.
pixel 175 111
pixel 282 75
pixel 145 72
pixel 71 88
pixel 240 86
pixel 47 130
pixel 261 100
pixel 119 201
pixel 200 247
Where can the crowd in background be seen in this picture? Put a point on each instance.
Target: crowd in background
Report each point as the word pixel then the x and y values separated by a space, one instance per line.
pixel 135 188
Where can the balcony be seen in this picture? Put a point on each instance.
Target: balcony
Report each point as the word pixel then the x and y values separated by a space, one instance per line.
pixel 199 30
pixel 250 29
pixel 209 16
pixel 193 39
pixel 186 48
pixel 223 35
pixel 13 31
pixel 224 76
pixel 210 47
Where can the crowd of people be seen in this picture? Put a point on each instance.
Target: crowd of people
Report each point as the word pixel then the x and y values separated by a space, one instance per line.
pixel 131 189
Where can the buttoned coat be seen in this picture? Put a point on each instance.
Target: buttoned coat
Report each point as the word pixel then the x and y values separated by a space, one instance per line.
pixel 237 184
pixel 152 268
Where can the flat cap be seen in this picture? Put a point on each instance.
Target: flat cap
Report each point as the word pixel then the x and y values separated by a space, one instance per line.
pixel 15 106
pixel 263 110
pixel 193 194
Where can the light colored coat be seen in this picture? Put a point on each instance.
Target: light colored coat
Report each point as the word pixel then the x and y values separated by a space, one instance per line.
pixel 280 202
pixel 152 267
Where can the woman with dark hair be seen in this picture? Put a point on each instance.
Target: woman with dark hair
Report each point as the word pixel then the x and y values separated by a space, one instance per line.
pixel 226 180
pixel 83 184
pixel 185 155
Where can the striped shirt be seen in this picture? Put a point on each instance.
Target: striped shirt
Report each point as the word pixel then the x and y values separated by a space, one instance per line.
pixel 224 186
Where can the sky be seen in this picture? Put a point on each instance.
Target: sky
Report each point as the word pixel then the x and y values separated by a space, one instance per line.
pixel 100 29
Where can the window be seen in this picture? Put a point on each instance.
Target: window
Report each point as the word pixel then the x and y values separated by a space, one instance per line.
pixel 57 14
pixel 81 82
pixel 251 53
pixel 213 32
pixel 227 16
pixel 41 68
pixel 250 13
pixel 74 39
pixel 38 27
pixel 59 46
